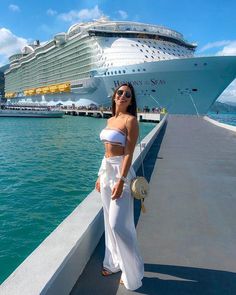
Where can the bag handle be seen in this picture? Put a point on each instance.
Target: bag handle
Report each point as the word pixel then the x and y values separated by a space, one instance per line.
pixel 140 148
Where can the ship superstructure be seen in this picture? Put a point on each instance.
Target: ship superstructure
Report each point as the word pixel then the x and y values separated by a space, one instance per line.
pixel 85 64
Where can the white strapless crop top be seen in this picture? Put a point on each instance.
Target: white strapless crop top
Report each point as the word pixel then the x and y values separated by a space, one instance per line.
pixel 113 136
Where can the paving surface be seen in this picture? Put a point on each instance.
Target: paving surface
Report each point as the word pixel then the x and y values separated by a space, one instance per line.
pixel 188 235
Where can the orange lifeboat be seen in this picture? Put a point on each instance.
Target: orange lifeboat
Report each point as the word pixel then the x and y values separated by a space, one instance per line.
pixel 31 91
pixel 65 87
pixel 53 88
pixel 39 91
pixel 45 90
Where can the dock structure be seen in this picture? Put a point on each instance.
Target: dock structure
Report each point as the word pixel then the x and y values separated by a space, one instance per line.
pixel 188 235
pixel 142 116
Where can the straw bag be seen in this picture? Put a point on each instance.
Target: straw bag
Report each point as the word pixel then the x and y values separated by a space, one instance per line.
pixel 139 186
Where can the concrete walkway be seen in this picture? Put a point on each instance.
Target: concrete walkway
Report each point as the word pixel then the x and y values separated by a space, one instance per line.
pixel 188 235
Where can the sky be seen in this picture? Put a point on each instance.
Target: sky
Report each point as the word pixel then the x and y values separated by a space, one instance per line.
pixel 209 23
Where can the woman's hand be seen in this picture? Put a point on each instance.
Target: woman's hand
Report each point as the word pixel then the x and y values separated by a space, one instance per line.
pixel 117 190
pixel 97 185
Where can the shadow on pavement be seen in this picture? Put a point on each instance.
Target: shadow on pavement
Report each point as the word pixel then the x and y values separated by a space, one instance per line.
pixel 183 280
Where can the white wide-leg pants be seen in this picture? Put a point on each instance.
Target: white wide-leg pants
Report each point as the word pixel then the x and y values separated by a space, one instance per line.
pixel 121 250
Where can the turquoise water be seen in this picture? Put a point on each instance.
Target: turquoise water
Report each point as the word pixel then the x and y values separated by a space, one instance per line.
pixel 48 166
pixel 226 118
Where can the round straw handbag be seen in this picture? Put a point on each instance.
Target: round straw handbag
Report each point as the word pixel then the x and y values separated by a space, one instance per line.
pixel 139 188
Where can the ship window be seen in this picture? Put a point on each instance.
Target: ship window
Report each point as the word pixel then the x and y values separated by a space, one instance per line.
pixel 138 70
pixel 108 73
pixel 144 70
pixel 119 72
pixel 133 70
pixel 137 45
pixel 146 56
pixel 141 50
pixel 112 72
pixel 115 72
pixel 124 71
pixel 152 57
pixel 147 50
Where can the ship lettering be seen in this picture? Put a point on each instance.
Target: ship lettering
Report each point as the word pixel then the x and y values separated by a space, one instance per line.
pixel 156 82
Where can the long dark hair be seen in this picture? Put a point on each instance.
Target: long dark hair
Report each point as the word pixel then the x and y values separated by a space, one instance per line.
pixel 132 108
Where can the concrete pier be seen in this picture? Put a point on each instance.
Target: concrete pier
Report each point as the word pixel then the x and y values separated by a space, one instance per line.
pixel 188 235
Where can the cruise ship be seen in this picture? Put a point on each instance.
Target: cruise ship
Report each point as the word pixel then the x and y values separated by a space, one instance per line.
pixel 84 65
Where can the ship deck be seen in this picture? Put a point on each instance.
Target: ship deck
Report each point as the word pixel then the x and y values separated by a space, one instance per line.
pixel 188 235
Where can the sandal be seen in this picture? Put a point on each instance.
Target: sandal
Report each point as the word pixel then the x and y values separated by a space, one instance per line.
pixel 121 282
pixel 106 272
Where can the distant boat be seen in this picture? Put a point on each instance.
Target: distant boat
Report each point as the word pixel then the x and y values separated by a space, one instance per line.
pixel 30 112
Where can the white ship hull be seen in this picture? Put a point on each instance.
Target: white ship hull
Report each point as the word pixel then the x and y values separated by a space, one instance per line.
pixel 182 86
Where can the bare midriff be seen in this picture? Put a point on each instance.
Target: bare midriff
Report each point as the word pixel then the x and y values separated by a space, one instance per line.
pixel 113 150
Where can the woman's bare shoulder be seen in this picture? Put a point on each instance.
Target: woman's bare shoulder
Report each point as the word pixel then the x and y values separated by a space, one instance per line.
pixel 132 119
pixel 110 119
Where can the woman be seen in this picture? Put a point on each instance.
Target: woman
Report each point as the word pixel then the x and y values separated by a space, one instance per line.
pixel 120 137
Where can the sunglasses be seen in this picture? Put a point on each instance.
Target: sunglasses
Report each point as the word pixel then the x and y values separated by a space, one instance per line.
pixel 121 92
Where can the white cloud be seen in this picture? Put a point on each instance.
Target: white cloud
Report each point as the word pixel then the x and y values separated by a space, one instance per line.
pixel 9 44
pixel 14 8
pixel 51 12
pixel 74 16
pixel 123 14
pixel 214 45
pixel 229 49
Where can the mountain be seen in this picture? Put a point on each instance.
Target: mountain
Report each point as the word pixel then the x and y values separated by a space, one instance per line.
pixel 220 107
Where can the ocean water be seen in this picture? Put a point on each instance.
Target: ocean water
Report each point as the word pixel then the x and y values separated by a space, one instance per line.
pixel 48 166
pixel 226 118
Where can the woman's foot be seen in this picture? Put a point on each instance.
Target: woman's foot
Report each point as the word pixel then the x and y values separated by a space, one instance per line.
pixel 106 272
pixel 121 282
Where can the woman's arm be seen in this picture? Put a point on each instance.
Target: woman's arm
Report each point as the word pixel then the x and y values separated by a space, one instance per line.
pixel 132 136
